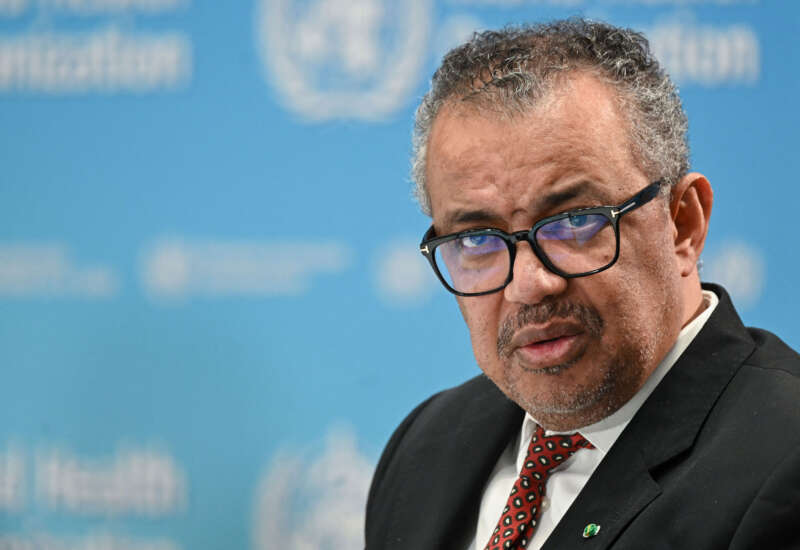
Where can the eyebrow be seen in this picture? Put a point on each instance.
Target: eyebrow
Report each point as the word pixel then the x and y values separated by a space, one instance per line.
pixel 472 216
pixel 547 202
pixel 553 200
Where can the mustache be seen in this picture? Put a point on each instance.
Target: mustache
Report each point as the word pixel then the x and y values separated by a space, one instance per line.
pixel 539 314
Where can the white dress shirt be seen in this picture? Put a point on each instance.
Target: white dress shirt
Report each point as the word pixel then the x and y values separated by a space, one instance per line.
pixel 564 484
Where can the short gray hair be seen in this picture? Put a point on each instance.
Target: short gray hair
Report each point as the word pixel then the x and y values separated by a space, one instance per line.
pixel 512 68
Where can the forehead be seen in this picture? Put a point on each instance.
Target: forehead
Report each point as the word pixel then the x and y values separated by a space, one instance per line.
pixel 510 165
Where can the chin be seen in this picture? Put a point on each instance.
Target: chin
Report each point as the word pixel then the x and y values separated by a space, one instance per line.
pixel 554 397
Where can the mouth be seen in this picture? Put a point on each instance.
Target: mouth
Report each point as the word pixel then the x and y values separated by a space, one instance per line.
pixel 544 348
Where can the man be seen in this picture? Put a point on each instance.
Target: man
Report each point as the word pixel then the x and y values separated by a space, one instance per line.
pixel 623 405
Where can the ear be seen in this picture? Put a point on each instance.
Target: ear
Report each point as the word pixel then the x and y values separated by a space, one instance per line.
pixel 690 209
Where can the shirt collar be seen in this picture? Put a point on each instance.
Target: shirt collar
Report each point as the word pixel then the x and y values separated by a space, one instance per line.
pixel 604 433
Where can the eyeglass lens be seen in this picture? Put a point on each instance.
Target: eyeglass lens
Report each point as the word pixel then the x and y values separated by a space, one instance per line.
pixel 574 244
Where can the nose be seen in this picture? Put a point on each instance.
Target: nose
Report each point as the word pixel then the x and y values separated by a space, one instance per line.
pixel 532 281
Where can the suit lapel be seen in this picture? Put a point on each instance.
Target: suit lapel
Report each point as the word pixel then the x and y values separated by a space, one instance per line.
pixel 668 423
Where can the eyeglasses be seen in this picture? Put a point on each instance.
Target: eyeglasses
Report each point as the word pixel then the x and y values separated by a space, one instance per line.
pixel 572 244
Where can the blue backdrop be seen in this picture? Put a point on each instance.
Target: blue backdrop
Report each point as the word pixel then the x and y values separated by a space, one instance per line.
pixel 212 307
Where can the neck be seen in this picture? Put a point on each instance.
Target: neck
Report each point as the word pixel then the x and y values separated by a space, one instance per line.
pixel 693 304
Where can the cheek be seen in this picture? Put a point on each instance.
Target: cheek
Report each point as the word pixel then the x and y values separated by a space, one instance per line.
pixel 649 309
pixel 481 316
pixel 649 265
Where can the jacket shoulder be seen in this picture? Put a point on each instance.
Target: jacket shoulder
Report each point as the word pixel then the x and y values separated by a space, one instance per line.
pixel 432 416
pixel 772 353
pixel 469 424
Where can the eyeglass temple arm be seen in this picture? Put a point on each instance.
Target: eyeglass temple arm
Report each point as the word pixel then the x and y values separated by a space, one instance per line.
pixel 642 197
pixel 428 235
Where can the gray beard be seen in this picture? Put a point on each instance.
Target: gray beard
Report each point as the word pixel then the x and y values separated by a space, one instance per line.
pixel 581 405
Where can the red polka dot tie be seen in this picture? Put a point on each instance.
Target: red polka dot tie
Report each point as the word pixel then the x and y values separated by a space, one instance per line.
pixel 519 518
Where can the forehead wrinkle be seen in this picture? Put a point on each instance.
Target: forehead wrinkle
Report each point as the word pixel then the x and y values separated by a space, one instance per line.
pixel 562 128
pixel 541 191
pixel 557 145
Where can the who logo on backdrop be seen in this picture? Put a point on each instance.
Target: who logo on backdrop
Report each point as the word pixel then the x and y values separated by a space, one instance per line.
pixel 312 498
pixel 333 59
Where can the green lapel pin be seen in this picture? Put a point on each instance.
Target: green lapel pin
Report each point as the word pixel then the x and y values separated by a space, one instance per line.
pixel 590 530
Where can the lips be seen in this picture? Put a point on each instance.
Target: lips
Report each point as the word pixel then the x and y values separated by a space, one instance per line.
pixel 548 346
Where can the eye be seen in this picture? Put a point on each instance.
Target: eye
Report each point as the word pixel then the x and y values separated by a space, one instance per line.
pixel 578 220
pixel 478 245
pixel 474 241
pixel 579 227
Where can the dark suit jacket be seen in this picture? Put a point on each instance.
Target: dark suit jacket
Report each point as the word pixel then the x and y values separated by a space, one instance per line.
pixel 710 461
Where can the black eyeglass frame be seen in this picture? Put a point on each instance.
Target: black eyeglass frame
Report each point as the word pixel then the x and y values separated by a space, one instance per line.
pixel 612 213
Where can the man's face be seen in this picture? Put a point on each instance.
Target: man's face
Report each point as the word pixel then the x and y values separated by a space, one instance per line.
pixel 569 351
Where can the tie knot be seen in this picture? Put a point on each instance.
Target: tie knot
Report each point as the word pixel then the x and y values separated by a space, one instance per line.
pixel 550 450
